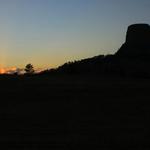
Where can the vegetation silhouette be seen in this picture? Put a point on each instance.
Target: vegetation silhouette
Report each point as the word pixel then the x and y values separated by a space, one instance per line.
pixel 29 69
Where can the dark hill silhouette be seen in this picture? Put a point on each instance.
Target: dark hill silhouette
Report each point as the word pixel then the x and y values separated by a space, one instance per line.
pixel 132 59
pixel 97 64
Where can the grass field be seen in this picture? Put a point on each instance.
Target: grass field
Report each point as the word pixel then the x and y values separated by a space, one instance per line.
pixel 72 112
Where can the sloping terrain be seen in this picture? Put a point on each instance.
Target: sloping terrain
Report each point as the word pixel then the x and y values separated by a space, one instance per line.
pixel 131 60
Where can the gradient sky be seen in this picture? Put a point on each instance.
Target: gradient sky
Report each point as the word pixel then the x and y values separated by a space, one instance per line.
pixel 48 33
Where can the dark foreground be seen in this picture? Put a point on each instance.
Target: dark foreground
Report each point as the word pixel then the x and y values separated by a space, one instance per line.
pixel 74 113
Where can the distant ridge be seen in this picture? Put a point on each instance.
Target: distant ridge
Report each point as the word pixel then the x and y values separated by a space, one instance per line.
pixel 132 59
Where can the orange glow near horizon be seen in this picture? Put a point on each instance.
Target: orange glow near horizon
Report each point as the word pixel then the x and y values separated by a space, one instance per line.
pixel 2 71
pixel 7 70
pixel 11 70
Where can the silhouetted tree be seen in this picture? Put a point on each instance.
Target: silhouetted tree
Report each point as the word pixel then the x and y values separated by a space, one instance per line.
pixel 29 69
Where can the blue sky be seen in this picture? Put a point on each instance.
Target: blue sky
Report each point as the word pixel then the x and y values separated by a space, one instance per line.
pixel 48 33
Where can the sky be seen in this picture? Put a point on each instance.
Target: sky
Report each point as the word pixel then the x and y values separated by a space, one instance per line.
pixel 48 33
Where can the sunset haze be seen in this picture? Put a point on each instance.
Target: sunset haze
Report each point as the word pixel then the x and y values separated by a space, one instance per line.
pixel 48 33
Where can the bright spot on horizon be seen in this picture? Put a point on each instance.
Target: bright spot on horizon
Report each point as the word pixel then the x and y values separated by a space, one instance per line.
pixel 7 70
pixel 2 71
pixel 11 70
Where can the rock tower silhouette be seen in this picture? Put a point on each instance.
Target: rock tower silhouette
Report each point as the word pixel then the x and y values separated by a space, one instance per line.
pixel 137 42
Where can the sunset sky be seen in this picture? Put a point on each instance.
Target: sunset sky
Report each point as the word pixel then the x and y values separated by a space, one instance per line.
pixel 48 33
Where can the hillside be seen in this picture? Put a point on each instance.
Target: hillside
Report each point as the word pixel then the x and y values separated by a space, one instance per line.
pixel 132 59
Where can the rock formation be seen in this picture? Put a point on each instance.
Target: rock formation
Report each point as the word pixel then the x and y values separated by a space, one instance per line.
pixel 137 42
pixel 131 60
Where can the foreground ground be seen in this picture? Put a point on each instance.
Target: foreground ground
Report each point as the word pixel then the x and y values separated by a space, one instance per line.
pixel 74 112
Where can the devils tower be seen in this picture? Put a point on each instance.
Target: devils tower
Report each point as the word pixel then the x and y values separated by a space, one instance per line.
pixel 137 42
pixel 132 59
